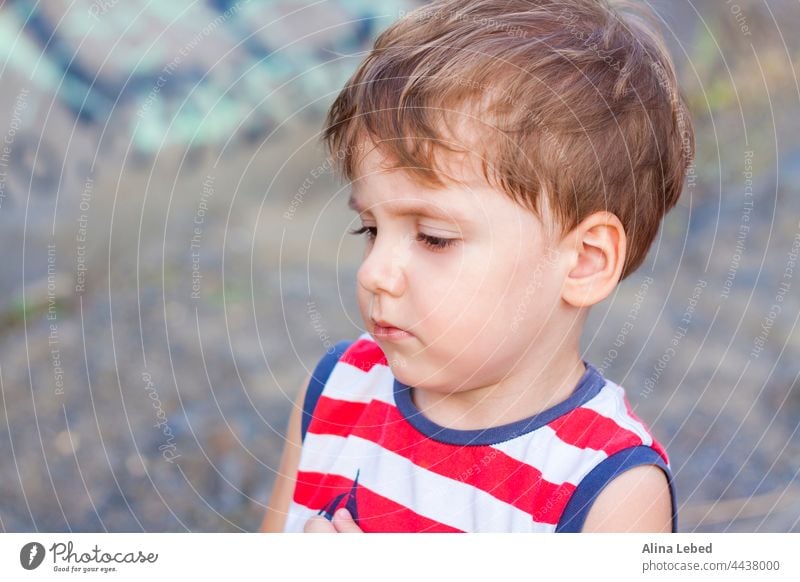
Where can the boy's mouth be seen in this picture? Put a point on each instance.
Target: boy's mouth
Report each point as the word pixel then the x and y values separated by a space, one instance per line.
pixel 385 330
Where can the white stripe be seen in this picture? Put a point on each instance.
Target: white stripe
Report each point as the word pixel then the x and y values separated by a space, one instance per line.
pixel 608 402
pixel 630 422
pixel 434 496
pixel 558 461
pixel 353 384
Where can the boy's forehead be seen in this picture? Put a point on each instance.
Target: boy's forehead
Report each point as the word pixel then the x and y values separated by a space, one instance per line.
pixel 377 181
pixel 462 165
pixel 440 204
pixel 400 195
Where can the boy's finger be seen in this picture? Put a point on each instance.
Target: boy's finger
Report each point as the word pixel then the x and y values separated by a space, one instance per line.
pixel 318 524
pixel 344 523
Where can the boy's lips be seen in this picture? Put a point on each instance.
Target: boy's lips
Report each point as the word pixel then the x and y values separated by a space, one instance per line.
pixel 385 330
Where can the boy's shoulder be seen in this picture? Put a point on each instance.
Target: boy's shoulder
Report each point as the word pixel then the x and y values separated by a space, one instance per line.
pixel 611 421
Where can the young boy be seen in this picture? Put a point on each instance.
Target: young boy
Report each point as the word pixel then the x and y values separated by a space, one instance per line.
pixel 510 164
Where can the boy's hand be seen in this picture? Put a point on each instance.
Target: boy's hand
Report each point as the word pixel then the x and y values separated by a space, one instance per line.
pixel 342 523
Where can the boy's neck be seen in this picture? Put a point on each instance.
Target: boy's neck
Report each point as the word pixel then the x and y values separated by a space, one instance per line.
pixel 521 394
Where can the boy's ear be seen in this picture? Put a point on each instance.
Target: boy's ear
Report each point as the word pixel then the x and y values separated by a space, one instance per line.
pixel 597 252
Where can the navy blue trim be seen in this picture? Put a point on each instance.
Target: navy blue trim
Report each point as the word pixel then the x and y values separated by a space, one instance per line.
pixel 589 488
pixel 318 379
pixel 587 388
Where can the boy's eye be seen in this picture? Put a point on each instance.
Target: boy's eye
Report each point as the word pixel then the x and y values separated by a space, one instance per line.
pixel 371 231
pixel 435 243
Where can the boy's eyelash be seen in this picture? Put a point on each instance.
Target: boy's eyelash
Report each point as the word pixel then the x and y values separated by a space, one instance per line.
pixel 432 242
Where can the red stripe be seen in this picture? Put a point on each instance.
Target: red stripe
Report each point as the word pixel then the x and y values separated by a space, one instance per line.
pixel 484 467
pixel 346 415
pixel 586 429
pixel 656 445
pixel 364 354
pixel 376 512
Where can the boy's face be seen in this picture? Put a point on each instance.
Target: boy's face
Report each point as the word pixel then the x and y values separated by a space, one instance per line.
pixel 470 276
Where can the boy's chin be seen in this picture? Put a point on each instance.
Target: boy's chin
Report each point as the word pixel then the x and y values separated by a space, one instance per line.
pixel 416 377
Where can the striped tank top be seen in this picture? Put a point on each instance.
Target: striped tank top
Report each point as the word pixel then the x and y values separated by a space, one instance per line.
pixel 368 448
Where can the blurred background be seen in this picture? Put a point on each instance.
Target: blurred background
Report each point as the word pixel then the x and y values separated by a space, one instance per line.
pixel 175 261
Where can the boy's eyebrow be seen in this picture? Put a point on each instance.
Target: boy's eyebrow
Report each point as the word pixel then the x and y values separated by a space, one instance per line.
pixel 412 207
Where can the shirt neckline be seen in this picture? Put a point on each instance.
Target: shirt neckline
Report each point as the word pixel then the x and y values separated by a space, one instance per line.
pixel 587 388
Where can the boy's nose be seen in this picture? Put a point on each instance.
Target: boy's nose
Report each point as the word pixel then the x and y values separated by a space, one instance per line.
pixel 384 267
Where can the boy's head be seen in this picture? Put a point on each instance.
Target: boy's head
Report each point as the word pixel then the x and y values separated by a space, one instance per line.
pixel 554 129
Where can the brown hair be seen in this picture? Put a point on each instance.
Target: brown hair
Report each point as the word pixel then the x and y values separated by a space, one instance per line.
pixel 574 99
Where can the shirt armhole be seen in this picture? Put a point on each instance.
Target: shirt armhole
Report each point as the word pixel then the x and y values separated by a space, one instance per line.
pixel 318 379
pixel 589 488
